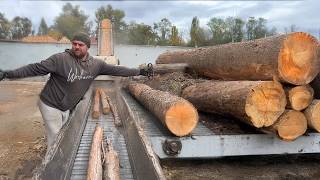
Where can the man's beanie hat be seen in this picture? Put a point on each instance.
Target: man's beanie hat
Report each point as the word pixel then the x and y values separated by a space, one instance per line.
pixel 83 37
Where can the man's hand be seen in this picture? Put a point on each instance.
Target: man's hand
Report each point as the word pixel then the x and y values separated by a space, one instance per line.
pixel 3 75
pixel 146 70
pixel 143 72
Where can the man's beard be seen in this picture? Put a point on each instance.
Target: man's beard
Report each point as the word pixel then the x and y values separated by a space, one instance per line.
pixel 78 54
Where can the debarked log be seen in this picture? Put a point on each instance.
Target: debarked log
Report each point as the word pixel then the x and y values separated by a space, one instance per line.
pixel 177 114
pixel 258 103
pixel 96 105
pixel 95 158
pixel 104 102
pixel 111 163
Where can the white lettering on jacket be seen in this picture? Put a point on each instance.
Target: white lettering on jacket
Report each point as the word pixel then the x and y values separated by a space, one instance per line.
pixel 77 75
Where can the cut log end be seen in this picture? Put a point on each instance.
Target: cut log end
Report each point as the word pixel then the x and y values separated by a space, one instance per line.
pixel 265 104
pixel 298 61
pixel 313 115
pixel 181 118
pixel 300 97
pixel 291 125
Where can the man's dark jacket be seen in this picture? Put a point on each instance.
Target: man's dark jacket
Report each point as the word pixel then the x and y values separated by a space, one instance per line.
pixel 70 77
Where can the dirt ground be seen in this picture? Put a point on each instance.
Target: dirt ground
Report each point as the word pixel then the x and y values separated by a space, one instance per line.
pixel 22 141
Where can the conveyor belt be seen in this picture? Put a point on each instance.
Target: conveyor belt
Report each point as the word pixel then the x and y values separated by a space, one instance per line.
pixel 80 166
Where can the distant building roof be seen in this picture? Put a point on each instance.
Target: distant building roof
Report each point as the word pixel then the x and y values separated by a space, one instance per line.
pixel 64 40
pixel 45 38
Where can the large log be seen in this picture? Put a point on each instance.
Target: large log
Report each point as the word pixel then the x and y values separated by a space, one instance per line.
pixel 96 105
pixel 299 97
pixel 177 114
pixel 95 158
pixel 313 115
pixel 292 58
pixel 290 125
pixel 111 163
pixel 104 102
pixel 169 68
pixel 258 103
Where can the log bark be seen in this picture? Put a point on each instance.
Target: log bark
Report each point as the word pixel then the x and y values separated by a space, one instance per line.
pixel 169 68
pixel 111 164
pixel 114 110
pixel 290 125
pixel 299 97
pixel 104 101
pixel 95 163
pixel 96 105
pixel 292 58
pixel 258 103
pixel 313 115
pixel 177 114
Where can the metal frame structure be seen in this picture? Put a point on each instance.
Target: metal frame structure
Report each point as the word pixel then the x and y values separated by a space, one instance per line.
pixel 203 143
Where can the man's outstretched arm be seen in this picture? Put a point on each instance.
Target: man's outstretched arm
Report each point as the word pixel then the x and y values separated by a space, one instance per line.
pixel 108 69
pixel 36 69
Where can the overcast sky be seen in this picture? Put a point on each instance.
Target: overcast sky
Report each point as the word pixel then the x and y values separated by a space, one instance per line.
pixel 305 14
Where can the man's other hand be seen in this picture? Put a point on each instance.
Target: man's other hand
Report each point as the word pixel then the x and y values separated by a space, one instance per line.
pixel 3 75
pixel 143 72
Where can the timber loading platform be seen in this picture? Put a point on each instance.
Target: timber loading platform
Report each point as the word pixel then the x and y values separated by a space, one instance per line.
pixel 142 141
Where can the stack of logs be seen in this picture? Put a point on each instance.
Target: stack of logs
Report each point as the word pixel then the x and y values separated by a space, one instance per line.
pixel 264 83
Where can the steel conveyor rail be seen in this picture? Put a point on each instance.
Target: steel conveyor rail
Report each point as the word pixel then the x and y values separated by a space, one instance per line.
pixel 68 157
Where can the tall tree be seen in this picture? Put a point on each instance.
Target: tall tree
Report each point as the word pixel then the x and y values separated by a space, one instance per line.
pixel 175 39
pixel 256 28
pixel 226 30
pixel 20 27
pixel 238 32
pixel 43 28
pixel 116 17
pixel 163 29
pixel 4 27
pixel 141 34
pixel 250 26
pixel 71 20
pixel 261 28
pixel 196 33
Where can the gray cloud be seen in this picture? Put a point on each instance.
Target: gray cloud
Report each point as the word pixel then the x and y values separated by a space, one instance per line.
pixel 304 14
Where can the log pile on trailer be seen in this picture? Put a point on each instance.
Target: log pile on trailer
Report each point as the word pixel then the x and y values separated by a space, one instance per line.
pixel 263 83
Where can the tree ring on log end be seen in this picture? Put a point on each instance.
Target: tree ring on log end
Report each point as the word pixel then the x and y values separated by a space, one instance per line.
pixel 291 125
pixel 298 61
pixel 313 115
pixel 265 103
pixel 300 97
pixel 181 118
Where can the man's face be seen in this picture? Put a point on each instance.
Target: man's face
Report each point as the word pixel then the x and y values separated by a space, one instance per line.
pixel 79 48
